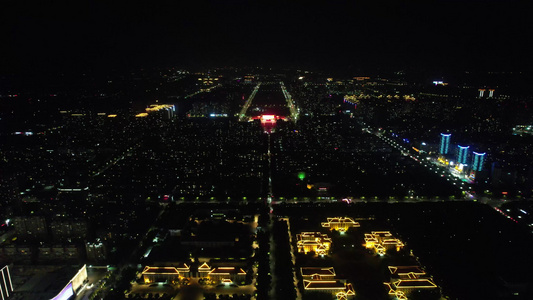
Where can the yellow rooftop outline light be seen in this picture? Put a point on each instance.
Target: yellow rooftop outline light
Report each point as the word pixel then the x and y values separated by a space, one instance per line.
pixel 381 240
pixel 156 270
pixel 158 107
pixel 340 223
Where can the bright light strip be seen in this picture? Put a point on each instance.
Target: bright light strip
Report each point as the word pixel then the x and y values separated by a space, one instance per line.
pixel 65 293
pixel 10 288
pixel 79 278
pixel 153 270
pixel 9 277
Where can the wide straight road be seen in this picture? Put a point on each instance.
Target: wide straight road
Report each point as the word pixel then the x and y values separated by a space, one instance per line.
pixel 290 103
pixel 244 109
pixel 269 102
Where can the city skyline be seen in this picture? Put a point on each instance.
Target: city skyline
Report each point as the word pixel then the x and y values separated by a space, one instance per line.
pixel 257 150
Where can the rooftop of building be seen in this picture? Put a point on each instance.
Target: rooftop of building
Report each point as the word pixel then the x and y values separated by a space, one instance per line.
pixel 321 271
pixel 160 270
pixel 405 270
pixel 227 270
pixel 324 285
pixel 414 283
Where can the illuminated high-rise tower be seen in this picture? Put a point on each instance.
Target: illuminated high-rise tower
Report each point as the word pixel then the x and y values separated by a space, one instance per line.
pixel 462 154
pixel 477 164
pixel 444 143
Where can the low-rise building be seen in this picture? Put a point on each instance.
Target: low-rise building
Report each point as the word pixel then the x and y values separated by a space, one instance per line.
pixel 403 287
pixel 203 270
pixel 407 279
pixel 381 241
pixel 317 273
pixel 223 274
pixel 160 274
pixel 339 288
pixel 407 272
pixel 322 279
pixel 316 242
pixel 341 224
pixel 235 274
pixel 184 270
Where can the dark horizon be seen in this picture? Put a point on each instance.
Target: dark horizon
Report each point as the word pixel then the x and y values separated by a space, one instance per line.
pixel 340 35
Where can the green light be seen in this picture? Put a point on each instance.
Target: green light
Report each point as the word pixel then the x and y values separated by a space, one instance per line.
pixel 301 175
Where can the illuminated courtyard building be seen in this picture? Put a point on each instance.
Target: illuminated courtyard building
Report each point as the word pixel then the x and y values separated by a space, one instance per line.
pixel 322 279
pixel 407 279
pixel 341 224
pixel 160 274
pixel 406 272
pixel 152 274
pixel 313 242
pixel 223 274
pixel 381 241
pixel 403 287
pixel 323 273
pixel 203 270
pixel 235 274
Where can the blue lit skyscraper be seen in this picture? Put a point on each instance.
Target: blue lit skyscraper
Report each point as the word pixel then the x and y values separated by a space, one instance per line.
pixel 444 143
pixel 477 164
pixel 462 154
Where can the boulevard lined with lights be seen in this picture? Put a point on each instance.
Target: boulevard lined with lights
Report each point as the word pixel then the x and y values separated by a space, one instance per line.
pixel 405 151
pixel 244 109
pixel 290 103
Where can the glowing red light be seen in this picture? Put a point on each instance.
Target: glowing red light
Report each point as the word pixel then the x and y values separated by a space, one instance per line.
pixel 268 118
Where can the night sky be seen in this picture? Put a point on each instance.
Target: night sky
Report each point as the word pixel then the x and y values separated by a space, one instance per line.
pixel 77 35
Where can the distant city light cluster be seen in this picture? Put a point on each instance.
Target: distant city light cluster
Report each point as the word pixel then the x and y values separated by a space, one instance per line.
pixel 158 107
pixel 462 161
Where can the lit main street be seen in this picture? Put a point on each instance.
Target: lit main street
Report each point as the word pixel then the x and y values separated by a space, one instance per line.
pixel 459 181
pixel 290 103
pixel 298 294
pixel 244 109
pixel 203 91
